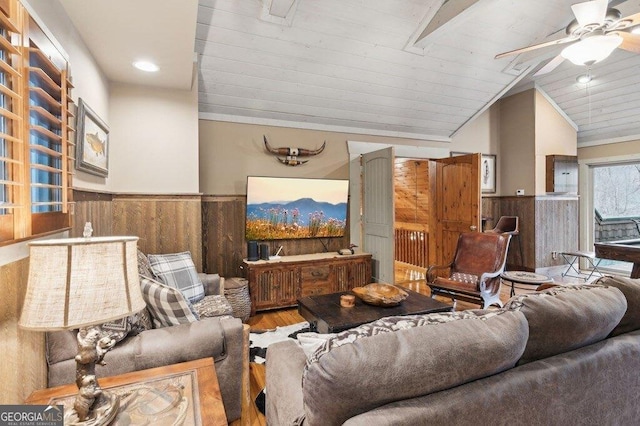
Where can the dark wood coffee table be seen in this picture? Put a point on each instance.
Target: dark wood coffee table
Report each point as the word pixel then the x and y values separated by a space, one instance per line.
pixel 325 315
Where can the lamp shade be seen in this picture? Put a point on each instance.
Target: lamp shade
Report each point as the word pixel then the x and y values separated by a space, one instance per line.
pixel 592 49
pixel 78 282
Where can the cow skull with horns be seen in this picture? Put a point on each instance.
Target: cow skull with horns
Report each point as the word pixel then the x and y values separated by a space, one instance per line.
pixel 291 154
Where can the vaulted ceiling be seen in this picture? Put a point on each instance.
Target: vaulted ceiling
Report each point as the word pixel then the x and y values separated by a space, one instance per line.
pixel 414 68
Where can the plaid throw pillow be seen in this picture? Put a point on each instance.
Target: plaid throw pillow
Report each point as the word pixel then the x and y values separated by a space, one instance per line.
pixel 166 305
pixel 178 271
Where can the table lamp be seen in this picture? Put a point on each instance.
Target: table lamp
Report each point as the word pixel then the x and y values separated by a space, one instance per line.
pixel 80 283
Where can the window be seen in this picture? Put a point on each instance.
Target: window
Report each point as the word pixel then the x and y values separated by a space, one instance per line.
pixel 616 191
pixel 11 145
pixel 36 154
pixel 616 203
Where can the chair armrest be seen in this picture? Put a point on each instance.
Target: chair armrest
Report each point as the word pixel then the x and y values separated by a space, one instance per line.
pixel 432 268
pixel 213 284
pixel 487 276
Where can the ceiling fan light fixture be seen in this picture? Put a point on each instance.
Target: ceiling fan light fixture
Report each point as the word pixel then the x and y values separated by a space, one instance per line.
pixel 584 78
pixel 592 49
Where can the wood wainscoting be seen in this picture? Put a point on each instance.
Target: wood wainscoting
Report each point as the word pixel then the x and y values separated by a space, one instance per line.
pixel 212 227
pixel 164 223
pixel 223 224
pixel 547 223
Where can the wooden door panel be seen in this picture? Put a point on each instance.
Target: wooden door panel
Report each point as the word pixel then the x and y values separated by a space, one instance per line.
pixel 457 196
pixel 378 212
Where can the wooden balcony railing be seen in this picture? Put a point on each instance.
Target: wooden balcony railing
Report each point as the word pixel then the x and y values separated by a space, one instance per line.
pixel 411 244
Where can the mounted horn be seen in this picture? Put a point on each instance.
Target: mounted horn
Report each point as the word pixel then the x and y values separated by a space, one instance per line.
pixel 292 154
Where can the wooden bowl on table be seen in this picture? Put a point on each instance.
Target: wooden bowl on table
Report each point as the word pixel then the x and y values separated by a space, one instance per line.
pixel 380 294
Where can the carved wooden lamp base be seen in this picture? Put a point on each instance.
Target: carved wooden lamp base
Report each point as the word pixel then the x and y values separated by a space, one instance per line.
pixel 92 406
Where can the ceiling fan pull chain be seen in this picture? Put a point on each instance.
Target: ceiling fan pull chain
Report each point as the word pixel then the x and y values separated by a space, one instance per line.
pixel 588 89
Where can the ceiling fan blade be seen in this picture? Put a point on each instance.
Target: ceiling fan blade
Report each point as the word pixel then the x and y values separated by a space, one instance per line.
pixel 590 12
pixel 550 66
pixel 632 19
pixel 630 42
pixel 537 46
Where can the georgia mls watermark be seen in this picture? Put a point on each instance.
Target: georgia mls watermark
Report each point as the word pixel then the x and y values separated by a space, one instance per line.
pixel 31 415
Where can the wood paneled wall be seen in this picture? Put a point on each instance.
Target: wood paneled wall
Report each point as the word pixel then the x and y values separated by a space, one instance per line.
pixel 411 181
pixel 223 223
pixel 93 207
pixel 524 208
pixel 212 227
pixel 491 211
pixel 23 368
pixel 557 228
pixel 164 223
pixel 547 224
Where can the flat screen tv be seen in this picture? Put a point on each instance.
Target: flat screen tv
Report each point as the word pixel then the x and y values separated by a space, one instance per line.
pixel 287 208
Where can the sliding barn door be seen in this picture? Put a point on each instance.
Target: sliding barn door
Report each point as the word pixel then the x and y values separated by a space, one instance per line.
pixel 378 213
pixel 456 196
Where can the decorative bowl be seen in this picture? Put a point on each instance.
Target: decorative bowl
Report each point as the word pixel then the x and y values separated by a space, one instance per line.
pixel 380 294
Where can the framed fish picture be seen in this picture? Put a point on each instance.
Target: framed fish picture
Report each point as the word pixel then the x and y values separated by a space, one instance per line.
pixel 92 142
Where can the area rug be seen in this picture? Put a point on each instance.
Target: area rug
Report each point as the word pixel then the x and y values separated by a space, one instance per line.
pixel 259 341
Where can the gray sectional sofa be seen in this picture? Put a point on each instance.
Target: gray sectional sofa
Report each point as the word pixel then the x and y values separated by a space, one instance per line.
pixel 567 355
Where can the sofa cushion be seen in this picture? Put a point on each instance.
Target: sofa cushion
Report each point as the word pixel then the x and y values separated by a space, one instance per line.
pixel 423 354
pixel 177 270
pixel 631 289
pixel 565 318
pixel 213 306
pixel 166 305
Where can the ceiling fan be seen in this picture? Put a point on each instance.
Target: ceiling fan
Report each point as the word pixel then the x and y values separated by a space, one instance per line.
pixel 596 31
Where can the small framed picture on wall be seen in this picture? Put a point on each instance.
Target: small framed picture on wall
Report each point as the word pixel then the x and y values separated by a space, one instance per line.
pixel 92 142
pixel 488 173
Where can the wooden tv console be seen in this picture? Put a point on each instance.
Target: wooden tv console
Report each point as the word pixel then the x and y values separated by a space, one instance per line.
pixel 278 283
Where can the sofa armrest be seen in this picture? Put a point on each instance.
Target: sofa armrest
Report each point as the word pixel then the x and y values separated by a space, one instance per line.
pixel 213 284
pixel 285 363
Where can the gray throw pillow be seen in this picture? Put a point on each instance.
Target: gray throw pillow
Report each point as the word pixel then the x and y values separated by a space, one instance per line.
pixel 177 270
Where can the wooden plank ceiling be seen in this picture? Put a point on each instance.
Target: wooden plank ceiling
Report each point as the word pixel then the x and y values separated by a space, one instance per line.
pixel 408 68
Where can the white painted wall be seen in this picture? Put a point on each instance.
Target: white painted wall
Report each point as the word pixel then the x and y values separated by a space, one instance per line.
pixel 154 140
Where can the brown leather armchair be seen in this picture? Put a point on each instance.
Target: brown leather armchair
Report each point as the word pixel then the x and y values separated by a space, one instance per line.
pixel 474 273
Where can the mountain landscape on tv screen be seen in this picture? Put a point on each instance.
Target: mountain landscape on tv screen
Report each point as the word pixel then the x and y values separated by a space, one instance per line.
pixel 302 218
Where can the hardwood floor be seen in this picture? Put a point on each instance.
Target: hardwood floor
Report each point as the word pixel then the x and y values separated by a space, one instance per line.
pixel 406 277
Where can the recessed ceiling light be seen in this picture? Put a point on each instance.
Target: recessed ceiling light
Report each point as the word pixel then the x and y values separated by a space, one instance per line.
pixel 583 78
pixel 636 30
pixel 146 66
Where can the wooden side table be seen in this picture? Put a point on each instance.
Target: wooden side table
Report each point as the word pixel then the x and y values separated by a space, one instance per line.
pixel 188 391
